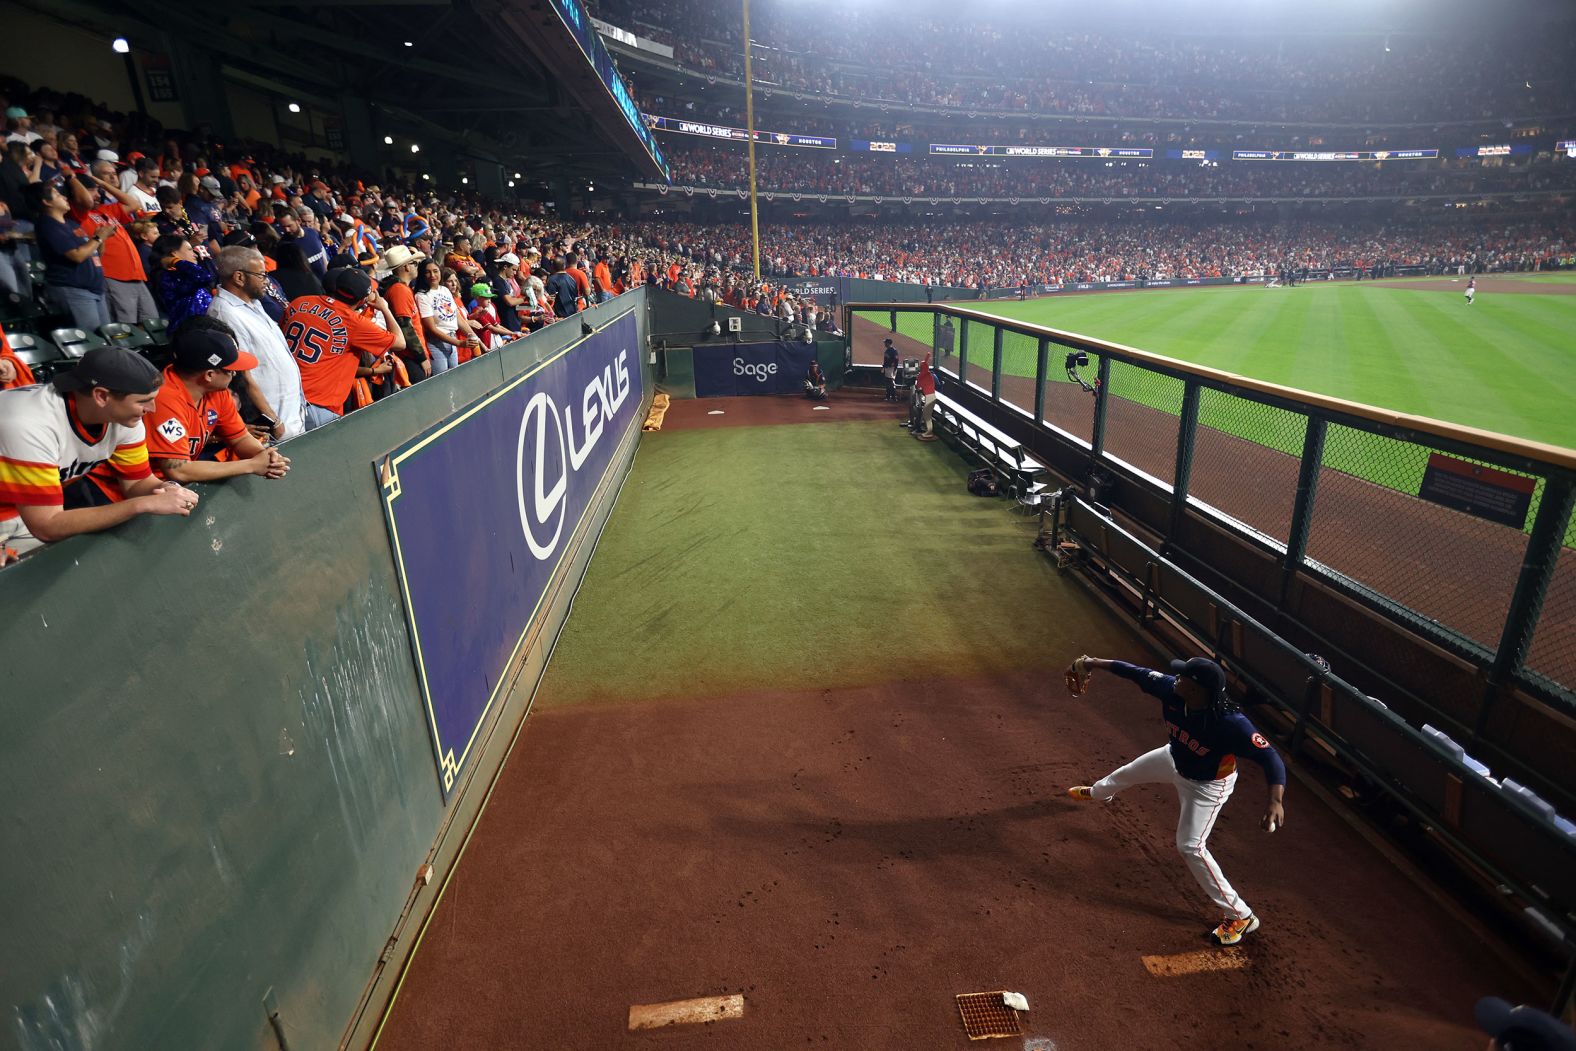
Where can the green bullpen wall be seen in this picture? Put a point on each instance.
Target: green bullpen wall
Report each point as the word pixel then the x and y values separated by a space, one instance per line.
pixel 679 324
pixel 220 786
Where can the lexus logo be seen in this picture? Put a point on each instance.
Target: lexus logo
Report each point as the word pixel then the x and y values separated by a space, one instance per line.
pixel 541 455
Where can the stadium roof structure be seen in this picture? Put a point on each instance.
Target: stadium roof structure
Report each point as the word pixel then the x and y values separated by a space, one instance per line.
pixel 488 79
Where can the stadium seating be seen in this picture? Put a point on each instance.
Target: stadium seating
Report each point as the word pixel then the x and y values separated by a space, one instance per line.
pixel 74 342
pixel 120 334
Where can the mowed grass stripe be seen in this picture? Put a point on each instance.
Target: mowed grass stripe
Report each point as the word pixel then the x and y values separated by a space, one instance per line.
pixel 1374 345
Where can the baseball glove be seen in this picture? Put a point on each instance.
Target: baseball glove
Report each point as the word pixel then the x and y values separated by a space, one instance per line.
pixel 1077 676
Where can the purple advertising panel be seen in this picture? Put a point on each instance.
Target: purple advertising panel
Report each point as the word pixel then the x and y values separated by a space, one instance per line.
pixel 481 509
pixel 731 369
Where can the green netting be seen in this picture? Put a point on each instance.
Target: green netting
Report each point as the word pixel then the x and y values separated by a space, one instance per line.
pixel 1143 410
pixel 1455 567
pixel 1553 650
pixel 1068 406
pixel 981 353
pixel 1018 355
pixel 1246 457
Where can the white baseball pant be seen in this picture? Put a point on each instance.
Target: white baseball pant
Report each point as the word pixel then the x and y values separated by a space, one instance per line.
pixel 1201 803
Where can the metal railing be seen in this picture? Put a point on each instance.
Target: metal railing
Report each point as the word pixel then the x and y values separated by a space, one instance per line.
pixel 1463 537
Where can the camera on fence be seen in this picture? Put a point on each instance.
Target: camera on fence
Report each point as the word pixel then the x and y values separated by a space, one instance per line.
pixel 1077 359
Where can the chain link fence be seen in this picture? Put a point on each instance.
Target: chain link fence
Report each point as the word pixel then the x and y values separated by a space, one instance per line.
pixel 1553 651
pixel 1246 457
pixel 866 330
pixel 1371 524
pixel 918 331
pixel 1068 406
pixel 1020 355
pixel 1436 537
pixel 1142 412
pixel 981 353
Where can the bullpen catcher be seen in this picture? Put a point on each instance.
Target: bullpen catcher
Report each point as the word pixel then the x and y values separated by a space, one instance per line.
pixel 1208 735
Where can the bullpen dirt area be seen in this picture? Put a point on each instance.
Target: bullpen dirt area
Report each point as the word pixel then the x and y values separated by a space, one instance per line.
pixel 849 860
pixel 687 414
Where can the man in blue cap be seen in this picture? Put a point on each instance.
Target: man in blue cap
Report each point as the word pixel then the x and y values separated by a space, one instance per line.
pixel 1208 735
pixel 1522 1028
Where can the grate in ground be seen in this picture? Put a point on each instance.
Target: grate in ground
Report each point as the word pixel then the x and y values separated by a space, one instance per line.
pixel 985 1015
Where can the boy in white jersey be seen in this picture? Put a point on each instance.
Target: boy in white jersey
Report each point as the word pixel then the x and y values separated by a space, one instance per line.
pixel 53 434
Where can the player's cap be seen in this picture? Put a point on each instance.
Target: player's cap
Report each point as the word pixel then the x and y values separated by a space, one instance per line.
pixel 1523 1028
pixel 1203 671
pixel 508 259
pixel 197 349
pixel 113 369
pixel 482 290
pixel 887 341
pixel 348 284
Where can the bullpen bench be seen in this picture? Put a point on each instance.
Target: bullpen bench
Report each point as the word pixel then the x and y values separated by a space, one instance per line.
pixel 1024 474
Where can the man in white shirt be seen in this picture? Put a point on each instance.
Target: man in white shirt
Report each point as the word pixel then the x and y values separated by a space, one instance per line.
pixel 276 381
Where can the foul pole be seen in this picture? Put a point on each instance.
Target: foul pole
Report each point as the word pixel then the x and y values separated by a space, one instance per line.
pixel 749 127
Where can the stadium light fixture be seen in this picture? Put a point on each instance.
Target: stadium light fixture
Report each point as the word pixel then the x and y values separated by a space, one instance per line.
pixel 121 46
pixel 465 180
pixel 410 43
pixel 511 182
pixel 425 177
pixel 295 107
pixel 414 148
pixel 388 140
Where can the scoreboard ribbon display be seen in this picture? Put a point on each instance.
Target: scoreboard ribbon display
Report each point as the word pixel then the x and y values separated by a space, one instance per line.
pixel 1333 155
pixel 952 149
pixel 723 131
pixel 482 510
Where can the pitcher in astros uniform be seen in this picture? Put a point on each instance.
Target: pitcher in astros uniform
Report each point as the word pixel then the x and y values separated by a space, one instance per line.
pixel 1208 736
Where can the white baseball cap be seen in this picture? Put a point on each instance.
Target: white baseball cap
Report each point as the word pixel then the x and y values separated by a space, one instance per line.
pixel 508 259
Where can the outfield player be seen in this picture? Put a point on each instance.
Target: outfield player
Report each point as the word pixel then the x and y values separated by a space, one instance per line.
pixel 1471 289
pixel 1208 736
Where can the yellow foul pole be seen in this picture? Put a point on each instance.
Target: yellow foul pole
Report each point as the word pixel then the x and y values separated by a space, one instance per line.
pixel 749 125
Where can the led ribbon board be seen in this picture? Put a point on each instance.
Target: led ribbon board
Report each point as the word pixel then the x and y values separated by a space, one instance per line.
pixel 953 149
pixel 578 22
pixel 724 131
pixel 1333 155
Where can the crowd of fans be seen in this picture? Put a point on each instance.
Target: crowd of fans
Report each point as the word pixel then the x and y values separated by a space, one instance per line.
pixel 1031 63
pixel 296 291
pixel 974 254
pixel 814 171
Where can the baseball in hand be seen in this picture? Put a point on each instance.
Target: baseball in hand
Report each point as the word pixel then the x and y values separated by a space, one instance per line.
pixel 1272 826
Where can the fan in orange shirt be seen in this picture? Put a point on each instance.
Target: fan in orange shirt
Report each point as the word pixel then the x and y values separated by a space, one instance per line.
pixel 328 336
pixel 13 370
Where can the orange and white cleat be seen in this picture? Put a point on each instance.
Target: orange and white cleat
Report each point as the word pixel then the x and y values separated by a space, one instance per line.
pixel 1080 792
pixel 1233 930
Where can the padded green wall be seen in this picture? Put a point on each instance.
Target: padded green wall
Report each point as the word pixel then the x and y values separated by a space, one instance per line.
pixel 218 775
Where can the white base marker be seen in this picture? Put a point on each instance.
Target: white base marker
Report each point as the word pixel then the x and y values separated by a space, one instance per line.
pixel 685 1012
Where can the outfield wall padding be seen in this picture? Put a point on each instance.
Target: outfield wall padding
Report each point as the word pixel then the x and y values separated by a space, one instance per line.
pixel 220 779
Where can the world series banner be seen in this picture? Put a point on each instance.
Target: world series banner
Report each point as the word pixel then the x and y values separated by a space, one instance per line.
pixel 480 510
pixel 726 370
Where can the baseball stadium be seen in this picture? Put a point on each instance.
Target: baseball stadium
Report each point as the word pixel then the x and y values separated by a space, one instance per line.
pixel 585 524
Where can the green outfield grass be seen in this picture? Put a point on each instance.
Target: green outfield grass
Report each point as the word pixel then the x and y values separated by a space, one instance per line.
pixel 1505 364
